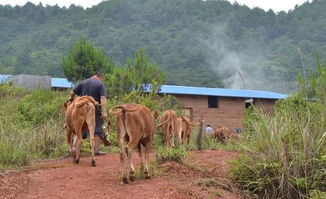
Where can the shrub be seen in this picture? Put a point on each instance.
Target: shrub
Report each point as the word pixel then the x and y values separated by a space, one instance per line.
pixel 33 129
pixel 164 154
pixel 316 194
pixel 282 151
pixel 40 105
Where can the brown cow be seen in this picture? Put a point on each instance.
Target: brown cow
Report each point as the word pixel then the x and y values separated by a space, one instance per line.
pixel 168 123
pixel 135 127
pixel 224 134
pixel 184 127
pixel 80 116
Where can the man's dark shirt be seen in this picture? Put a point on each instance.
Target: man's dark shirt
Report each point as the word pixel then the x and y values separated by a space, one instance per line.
pixel 95 88
pixel 91 87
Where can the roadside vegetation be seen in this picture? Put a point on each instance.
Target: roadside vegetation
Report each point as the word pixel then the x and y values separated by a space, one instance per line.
pixel 284 154
pixel 31 125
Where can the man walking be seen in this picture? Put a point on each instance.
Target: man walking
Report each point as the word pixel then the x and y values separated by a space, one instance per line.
pixel 95 87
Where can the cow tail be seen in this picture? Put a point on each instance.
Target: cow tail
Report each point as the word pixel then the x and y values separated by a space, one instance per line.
pixel 123 117
pixel 162 123
pixel 120 108
pixel 123 111
pixel 113 112
pixel 85 100
pixel 189 123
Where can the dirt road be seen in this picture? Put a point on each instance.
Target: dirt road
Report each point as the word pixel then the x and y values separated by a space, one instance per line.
pixel 203 176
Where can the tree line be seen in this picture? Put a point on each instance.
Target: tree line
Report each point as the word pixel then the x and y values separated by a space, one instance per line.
pixel 209 43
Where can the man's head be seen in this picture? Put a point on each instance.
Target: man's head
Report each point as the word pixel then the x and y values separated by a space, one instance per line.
pixel 99 75
pixel 208 125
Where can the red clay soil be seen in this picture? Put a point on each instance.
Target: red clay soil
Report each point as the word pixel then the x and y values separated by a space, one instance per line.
pixel 204 175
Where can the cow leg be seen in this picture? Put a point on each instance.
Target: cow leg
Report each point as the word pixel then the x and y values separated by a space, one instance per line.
pixel 166 136
pixel 69 136
pixel 92 142
pixel 91 125
pixel 167 140
pixel 131 167
pixel 188 139
pixel 91 128
pixel 147 150
pixel 170 136
pixel 180 137
pixel 141 156
pixel 123 155
pixel 184 137
pixel 78 146
pixel 173 134
pixel 172 139
pixel 70 142
pixel 73 145
pixel 78 123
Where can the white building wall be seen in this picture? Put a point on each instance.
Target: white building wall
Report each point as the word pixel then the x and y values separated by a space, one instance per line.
pixel 31 81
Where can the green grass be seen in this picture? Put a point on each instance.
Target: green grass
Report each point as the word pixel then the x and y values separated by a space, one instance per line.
pixel 12 152
pixel 31 126
pixel 210 143
pixel 177 154
pixel 283 154
pixel 152 169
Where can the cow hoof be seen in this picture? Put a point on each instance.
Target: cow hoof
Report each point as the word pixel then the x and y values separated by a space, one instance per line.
pixel 132 176
pixel 77 161
pixel 147 176
pixel 73 153
pixel 125 180
pixel 93 163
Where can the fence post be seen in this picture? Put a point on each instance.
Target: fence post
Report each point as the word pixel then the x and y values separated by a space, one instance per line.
pixel 201 132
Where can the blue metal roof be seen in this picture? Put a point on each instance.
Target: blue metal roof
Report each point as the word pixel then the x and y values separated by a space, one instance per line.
pixel 55 82
pixel 61 83
pixel 4 78
pixel 223 92
pixel 184 90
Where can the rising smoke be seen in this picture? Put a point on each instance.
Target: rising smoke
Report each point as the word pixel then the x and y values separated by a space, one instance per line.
pixel 244 68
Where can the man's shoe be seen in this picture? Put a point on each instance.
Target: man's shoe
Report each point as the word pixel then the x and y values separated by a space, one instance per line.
pixel 106 142
pixel 100 153
pixel 85 135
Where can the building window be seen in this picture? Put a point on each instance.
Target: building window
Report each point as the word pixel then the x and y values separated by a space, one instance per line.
pixel 213 102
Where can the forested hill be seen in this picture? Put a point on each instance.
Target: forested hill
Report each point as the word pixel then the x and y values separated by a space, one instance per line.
pixel 199 43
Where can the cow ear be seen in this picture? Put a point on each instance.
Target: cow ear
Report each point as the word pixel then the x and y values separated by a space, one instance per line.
pixel 65 105
pixel 155 114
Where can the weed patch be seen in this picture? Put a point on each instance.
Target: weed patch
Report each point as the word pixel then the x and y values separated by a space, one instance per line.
pixel 164 154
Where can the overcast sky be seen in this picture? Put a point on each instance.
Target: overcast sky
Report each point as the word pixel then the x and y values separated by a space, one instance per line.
pixel 276 5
